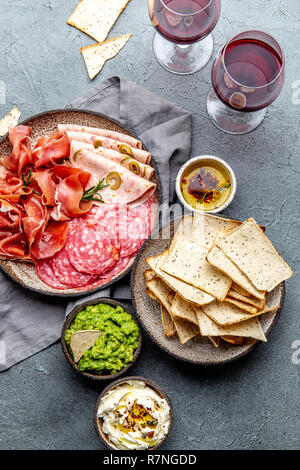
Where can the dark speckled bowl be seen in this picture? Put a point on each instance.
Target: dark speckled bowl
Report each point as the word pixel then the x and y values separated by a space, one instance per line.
pixel 44 124
pixel 67 353
pixel 199 350
pixel 98 422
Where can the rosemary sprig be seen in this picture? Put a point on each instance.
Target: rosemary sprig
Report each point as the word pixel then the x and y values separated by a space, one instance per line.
pixel 27 180
pixel 202 200
pixel 92 194
pixel 224 187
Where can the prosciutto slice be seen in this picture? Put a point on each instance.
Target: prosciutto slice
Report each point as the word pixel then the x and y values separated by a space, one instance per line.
pixel 70 190
pixel 120 137
pixel 21 153
pixel 50 149
pixel 140 155
pixel 145 171
pixel 52 241
pixel 13 244
pixel 132 190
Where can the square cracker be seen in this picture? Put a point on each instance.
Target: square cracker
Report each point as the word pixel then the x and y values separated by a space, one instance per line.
pixel 206 227
pixel 217 258
pixel 247 329
pixel 185 330
pixel 250 249
pixel 182 309
pixel 258 303
pixel 188 292
pixel 168 324
pixel 95 17
pixel 187 261
pixel 224 313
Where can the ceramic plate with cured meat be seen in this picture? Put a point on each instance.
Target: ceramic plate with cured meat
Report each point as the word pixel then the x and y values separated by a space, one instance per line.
pixel 95 254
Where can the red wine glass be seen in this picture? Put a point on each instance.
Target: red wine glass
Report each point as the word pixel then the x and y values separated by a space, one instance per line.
pixel 247 76
pixel 183 43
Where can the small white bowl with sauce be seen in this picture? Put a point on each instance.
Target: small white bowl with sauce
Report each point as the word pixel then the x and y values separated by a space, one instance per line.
pixel 206 184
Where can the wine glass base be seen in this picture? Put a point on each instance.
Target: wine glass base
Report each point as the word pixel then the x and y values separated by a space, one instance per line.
pixel 231 120
pixel 182 59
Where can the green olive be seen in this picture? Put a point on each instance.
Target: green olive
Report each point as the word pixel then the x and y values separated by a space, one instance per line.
pixel 125 159
pixel 98 143
pixel 134 167
pixel 76 155
pixel 124 148
pixel 114 180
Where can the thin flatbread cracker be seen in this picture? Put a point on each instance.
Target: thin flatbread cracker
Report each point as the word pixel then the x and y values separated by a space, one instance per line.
pixel 217 258
pixel 168 324
pixel 182 309
pixel 238 288
pixel 224 313
pixel 160 290
pixel 187 261
pixel 96 17
pixel 188 292
pixel 215 340
pixel 247 329
pixel 9 121
pixel 234 340
pixel 149 274
pixel 83 340
pixel 206 227
pixel 96 55
pixel 259 304
pixel 242 305
pixel 151 295
pixel 250 249
pixel 185 329
pixel 184 229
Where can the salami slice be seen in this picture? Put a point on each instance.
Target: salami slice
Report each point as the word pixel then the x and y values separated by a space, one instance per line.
pixel 46 274
pixel 66 273
pixel 91 250
pixel 134 229
pixel 116 270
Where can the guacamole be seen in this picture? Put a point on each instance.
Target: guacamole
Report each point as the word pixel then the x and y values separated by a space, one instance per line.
pixel 115 348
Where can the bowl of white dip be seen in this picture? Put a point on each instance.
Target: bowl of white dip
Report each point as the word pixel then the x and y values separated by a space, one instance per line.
pixel 133 413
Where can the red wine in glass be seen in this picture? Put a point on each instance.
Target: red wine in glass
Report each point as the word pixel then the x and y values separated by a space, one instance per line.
pixel 185 21
pixel 183 43
pixel 247 74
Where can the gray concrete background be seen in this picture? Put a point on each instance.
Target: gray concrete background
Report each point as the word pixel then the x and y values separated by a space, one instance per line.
pixel 250 404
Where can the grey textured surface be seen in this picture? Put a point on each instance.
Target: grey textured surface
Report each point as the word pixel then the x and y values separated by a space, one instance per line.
pixel 252 403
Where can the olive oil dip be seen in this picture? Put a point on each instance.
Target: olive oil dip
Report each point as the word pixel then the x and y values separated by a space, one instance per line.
pixel 206 185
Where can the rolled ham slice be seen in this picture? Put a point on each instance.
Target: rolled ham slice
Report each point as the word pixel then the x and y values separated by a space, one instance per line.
pixel 89 135
pixel 145 171
pixel 132 189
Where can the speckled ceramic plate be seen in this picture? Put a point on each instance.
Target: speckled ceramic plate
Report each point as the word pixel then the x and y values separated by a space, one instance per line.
pixel 44 124
pixel 199 350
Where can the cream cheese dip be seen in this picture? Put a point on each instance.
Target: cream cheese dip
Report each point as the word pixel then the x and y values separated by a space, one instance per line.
pixel 134 416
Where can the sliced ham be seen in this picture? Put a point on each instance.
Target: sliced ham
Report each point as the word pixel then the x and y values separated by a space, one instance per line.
pixel 111 144
pixel 143 170
pixel 120 137
pixel 52 241
pixel 132 190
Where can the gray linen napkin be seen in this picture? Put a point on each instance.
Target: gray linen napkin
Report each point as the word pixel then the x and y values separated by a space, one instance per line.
pixel 31 322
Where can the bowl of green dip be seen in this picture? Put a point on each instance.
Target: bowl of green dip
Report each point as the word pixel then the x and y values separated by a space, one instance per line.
pixel 114 345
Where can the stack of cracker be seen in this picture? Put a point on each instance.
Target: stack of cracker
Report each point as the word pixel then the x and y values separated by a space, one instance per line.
pixel 215 280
